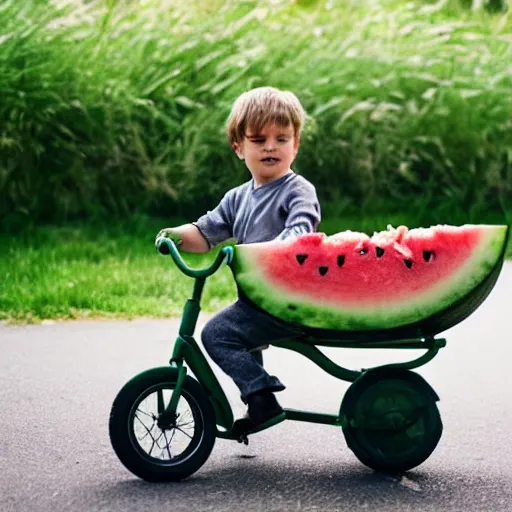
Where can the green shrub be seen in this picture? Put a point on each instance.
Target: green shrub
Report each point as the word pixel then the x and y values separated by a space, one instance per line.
pixel 110 108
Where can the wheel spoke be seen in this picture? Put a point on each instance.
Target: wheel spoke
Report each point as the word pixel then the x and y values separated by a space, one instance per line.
pixel 162 443
pixel 167 443
pixel 146 413
pixel 191 422
pixel 162 434
pixel 183 432
pixel 187 415
pixel 148 433
pixel 144 425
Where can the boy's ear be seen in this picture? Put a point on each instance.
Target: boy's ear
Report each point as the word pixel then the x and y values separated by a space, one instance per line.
pixel 238 150
pixel 296 143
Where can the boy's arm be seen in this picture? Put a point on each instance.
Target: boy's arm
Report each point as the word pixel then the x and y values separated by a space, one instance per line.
pixel 303 212
pixel 216 225
pixel 187 238
pixel 209 230
pixel 295 230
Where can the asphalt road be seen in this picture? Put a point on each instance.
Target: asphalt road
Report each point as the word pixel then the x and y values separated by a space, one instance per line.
pixel 58 381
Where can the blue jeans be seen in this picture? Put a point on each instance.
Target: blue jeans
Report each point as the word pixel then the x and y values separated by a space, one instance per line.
pixel 234 338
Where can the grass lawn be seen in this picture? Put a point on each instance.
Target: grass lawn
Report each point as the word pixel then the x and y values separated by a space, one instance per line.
pixel 86 271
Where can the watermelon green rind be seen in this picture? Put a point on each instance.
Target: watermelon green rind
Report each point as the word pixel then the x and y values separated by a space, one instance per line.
pixel 386 315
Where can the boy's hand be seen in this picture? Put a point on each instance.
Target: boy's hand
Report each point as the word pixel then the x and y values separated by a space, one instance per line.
pixel 172 234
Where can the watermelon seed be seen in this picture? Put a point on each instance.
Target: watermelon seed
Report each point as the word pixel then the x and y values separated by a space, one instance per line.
pixel 427 255
pixel 363 251
pixel 301 258
pixel 380 252
pixel 341 260
pixel 408 263
pixel 323 270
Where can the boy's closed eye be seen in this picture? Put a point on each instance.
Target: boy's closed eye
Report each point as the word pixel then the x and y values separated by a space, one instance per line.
pixel 262 141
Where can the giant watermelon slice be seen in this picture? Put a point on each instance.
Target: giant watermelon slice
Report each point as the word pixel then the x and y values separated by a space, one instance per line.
pixel 353 282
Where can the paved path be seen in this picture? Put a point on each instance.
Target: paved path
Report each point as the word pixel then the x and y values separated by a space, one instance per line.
pixel 57 383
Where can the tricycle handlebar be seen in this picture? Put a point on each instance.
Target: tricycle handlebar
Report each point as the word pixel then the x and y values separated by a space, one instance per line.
pixel 167 246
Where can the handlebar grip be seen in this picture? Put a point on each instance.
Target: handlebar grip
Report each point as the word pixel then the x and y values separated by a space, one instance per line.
pixel 167 246
pixel 164 249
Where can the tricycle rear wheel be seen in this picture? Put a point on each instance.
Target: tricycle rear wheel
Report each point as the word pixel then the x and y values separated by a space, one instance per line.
pixel 390 419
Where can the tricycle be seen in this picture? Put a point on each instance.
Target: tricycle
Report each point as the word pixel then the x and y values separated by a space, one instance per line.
pixel 164 421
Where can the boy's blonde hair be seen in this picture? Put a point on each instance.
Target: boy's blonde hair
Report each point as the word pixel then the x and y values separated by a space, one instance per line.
pixel 256 108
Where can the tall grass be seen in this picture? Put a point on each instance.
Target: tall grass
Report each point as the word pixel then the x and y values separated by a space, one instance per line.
pixel 113 107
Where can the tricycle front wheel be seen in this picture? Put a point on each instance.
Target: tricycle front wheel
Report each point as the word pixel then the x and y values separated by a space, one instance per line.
pixel 390 419
pixel 159 452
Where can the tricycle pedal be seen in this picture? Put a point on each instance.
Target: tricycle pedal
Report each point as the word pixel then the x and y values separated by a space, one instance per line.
pixel 244 426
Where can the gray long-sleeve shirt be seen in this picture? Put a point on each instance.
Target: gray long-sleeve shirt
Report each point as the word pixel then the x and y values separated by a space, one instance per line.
pixel 260 214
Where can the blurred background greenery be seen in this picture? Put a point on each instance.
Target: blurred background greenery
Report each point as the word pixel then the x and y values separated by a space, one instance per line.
pixel 115 107
pixel 112 119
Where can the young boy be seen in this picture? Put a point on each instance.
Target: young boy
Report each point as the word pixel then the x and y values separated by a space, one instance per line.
pixel 264 130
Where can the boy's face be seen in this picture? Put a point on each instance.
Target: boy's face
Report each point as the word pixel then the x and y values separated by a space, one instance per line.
pixel 270 153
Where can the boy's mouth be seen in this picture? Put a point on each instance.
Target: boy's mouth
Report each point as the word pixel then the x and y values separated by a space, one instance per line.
pixel 270 160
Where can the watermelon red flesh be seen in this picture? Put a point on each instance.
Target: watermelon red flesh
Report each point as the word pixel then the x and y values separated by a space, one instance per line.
pixel 351 281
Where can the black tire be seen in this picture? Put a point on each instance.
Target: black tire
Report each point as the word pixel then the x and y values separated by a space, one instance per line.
pixel 124 421
pixel 391 438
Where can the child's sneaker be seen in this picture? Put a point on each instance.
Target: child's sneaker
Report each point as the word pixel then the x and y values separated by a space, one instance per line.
pixel 262 406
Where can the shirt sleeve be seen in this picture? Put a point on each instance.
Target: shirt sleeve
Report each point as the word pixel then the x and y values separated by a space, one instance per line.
pixel 303 207
pixel 216 225
pixel 295 230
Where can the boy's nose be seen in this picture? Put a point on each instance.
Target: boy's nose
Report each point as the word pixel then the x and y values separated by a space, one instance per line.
pixel 270 146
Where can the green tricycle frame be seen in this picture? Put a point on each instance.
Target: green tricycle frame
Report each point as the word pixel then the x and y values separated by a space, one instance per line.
pixel 388 415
